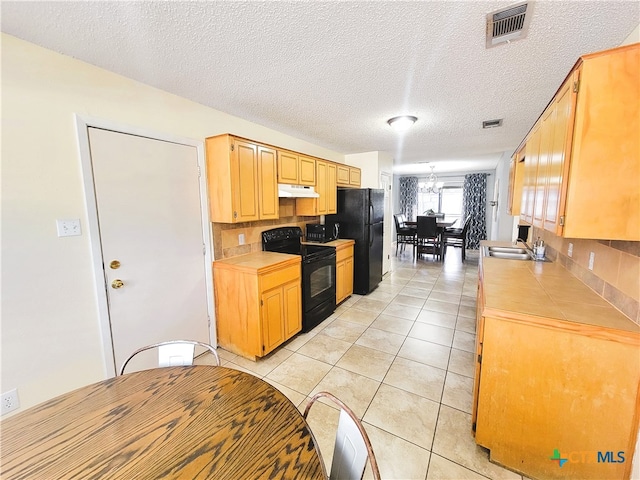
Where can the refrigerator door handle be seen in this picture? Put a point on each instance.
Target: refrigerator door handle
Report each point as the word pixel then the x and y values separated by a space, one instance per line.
pixel 370 236
pixel 370 213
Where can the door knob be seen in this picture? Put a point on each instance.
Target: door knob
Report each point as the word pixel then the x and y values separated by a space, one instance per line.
pixel 117 283
pixel 115 264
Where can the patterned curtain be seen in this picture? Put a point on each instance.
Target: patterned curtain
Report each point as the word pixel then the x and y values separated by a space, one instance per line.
pixel 474 200
pixel 409 197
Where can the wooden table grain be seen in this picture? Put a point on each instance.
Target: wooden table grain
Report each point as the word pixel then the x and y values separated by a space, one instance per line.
pixel 197 422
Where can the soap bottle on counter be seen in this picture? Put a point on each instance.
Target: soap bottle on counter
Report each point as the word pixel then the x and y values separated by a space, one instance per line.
pixel 539 249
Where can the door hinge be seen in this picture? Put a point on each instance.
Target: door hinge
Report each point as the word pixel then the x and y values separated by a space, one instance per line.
pixel 576 86
pixel 232 147
pixel 263 348
pixel 479 358
pixel 204 249
pixel 235 214
pixel 261 303
pixel 473 426
pixel 562 220
pixel 199 172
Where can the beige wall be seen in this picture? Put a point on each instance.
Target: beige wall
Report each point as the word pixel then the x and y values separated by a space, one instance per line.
pixel 616 267
pixel 50 329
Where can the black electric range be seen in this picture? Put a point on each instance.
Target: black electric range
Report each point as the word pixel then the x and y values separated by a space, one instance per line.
pixel 318 272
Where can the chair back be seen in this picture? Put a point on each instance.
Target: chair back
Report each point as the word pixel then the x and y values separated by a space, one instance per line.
pixel 174 353
pixel 427 227
pixel 352 446
pixel 396 218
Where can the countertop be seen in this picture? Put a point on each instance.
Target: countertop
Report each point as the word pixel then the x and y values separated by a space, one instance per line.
pixel 547 293
pixel 334 243
pixel 258 261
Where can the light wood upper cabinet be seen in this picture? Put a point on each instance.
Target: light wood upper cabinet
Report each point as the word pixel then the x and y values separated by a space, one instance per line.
pixel 354 177
pixel 343 175
pixel 241 180
pixel 325 185
pixel 588 186
pixel 296 169
pixel 268 183
pixel 332 188
pixel 347 176
pixel 258 302
pixel 288 167
pixel 307 171
pixel 516 177
pixel 530 175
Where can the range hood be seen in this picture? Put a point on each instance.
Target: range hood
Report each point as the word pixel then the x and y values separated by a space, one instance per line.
pixel 297 191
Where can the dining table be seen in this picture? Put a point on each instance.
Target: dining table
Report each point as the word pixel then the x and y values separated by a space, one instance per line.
pixel 187 422
pixel 441 227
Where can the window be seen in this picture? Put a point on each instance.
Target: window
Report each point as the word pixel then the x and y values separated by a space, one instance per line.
pixel 447 201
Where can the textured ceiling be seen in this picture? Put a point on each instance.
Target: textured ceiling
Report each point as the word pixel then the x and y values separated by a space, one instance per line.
pixel 332 73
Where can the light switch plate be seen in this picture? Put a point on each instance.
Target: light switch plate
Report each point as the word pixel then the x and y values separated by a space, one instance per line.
pixel 68 227
pixel 241 239
pixel 570 251
pixel 592 258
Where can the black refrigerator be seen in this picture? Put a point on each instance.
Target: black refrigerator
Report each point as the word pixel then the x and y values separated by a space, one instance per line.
pixel 360 215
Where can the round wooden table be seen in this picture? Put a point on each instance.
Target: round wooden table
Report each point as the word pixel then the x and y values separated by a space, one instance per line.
pixel 181 422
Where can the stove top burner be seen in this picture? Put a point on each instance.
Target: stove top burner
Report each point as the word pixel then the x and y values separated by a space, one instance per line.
pixel 288 240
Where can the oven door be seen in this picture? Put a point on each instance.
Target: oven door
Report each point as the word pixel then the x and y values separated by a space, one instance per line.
pixel 319 281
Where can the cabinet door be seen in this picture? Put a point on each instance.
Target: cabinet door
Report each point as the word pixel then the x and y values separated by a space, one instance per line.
pixel 307 169
pixel 516 176
pixel 267 183
pixel 292 308
pixel 272 306
pixel 342 174
pixel 321 188
pixel 332 189
pixel 245 167
pixel 288 168
pixel 348 275
pixel 340 282
pixel 530 173
pixel 558 166
pixel 354 177
pixel 542 177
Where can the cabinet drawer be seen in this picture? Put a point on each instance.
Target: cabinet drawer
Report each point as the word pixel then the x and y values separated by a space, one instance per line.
pixel 344 253
pixel 273 279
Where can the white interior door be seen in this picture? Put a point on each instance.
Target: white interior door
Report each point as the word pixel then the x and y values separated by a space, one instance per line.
pixel 150 225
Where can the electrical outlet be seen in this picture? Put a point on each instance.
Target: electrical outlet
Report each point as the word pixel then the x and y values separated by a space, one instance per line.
pixel 10 401
pixel 592 258
pixel 570 251
pixel 69 227
pixel 241 239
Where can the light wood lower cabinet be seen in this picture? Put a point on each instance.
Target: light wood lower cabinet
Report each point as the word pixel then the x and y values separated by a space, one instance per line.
pixel 544 385
pixel 258 302
pixel 344 271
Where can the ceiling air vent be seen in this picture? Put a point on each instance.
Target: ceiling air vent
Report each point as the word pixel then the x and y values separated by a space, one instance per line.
pixel 492 123
pixel 508 24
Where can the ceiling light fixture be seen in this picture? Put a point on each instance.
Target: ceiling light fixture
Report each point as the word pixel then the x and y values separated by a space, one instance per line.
pixel 402 122
pixel 432 184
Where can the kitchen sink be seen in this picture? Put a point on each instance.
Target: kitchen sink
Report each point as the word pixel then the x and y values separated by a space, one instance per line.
pixel 511 253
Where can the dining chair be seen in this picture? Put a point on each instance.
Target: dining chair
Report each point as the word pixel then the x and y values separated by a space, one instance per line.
pixel 428 236
pixel 174 353
pixel 456 237
pixel 404 234
pixel 352 445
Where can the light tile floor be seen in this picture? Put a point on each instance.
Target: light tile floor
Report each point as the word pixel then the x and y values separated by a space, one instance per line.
pixel 402 359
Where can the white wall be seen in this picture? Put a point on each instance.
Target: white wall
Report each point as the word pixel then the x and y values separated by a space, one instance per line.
pixel 50 331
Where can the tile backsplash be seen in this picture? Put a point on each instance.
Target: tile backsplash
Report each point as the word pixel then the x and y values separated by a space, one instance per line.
pixel 225 235
pixel 616 267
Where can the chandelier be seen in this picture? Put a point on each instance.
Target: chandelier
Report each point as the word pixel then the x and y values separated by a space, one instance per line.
pixel 432 185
